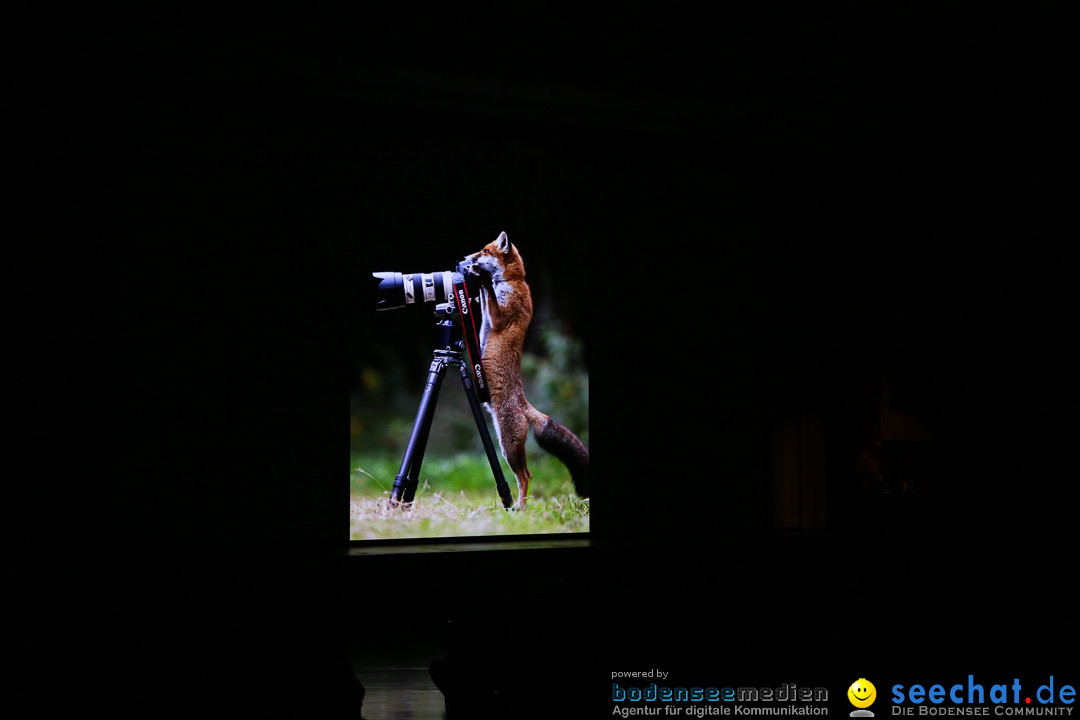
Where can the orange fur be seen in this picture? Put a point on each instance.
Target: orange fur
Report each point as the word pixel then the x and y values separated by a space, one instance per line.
pixel 507 310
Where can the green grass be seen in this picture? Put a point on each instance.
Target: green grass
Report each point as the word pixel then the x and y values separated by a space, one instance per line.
pixel 457 498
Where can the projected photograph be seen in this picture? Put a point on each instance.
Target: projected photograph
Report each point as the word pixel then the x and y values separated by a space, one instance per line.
pixel 469 413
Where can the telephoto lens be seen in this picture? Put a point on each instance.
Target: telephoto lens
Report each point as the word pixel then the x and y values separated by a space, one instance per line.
pixel 400 289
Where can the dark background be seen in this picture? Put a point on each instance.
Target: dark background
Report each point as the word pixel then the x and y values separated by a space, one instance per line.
pixel 759 221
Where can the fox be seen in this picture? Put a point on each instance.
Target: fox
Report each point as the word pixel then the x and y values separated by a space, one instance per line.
pixel 506 311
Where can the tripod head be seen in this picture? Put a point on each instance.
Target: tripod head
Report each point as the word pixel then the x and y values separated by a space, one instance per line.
pixel 447 329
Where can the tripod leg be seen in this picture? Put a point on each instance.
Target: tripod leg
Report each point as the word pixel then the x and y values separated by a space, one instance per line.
pixel 408 476
pixel 485 436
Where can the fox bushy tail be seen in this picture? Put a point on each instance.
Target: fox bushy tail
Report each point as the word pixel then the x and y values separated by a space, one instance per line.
pixel 565 445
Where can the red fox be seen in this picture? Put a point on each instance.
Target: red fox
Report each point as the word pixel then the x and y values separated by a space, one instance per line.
pixel 506 306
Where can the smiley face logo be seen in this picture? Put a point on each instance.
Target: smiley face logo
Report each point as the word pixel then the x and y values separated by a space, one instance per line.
pixel 862 693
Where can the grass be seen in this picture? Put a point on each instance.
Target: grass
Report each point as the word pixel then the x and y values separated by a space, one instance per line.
pixel 457 498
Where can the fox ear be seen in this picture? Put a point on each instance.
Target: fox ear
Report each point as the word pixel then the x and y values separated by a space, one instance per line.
pixel 502 243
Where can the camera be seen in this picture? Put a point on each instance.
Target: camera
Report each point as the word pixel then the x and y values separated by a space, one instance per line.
pixel 397 290
pixel 457 294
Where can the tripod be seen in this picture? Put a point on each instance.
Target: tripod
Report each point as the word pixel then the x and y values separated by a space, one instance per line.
pixel 448 351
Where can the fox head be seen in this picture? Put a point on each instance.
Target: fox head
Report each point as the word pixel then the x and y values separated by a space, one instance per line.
pixel 500 259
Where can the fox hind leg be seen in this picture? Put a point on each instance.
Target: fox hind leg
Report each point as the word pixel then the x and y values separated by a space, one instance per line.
pixel 515 456
pixel 512 430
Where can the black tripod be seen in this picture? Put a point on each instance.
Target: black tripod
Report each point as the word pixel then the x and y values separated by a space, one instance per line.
pixel 449 349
